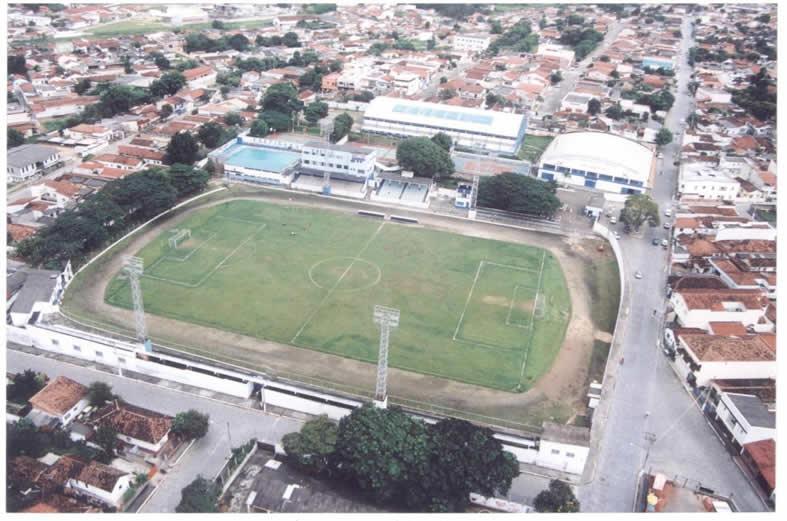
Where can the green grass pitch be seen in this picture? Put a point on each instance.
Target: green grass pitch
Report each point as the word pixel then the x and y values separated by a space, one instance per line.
pixel 474 310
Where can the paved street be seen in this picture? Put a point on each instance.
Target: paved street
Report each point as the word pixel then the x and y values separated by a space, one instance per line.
pixel 207 455
pixel 644 383
pixel 555 95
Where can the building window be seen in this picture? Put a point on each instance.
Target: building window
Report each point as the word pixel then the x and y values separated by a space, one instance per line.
pixel 77 348
pixel 121 360
pixel 99 354
pixel 555 451
pixel 569 454
pixel 55 342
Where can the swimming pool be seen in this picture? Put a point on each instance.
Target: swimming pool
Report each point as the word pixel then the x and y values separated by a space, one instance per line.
pixel 258 158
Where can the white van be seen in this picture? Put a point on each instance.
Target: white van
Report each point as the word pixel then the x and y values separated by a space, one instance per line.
pixel 668 212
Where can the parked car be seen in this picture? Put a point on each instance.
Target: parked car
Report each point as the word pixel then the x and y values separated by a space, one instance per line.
pixel 613 220
pixel 656 241
pixel 664 243
pixel 667 226
pixel 668 212
pixel 637 274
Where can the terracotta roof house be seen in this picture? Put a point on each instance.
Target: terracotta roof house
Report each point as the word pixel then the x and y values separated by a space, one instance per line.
pixel 760 458
pixel 136 426
pixel 62 398
pixel 699 307
pixel 702 358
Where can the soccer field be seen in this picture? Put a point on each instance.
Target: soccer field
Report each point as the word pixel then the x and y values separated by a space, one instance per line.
pixel 474 310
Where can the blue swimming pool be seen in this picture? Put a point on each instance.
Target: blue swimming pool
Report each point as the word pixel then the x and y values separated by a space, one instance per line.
pixel 258 158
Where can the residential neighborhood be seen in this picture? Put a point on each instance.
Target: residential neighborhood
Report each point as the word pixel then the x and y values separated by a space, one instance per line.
pixel 391 237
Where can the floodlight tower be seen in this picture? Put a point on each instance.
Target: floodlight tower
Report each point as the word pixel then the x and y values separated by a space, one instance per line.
pixel 134 268
pixel 387 318
pixel 326 183
pixel 474 197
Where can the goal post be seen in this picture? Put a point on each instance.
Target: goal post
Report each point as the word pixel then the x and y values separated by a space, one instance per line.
pixel 539 306
pixel 179 237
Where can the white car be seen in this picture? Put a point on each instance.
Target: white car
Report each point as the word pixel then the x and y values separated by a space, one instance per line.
pixel 637 274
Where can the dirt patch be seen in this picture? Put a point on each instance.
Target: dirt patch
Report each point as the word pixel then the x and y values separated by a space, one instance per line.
pixel 526 306
pixel 496 301
pixel 557 395
pixel 603 336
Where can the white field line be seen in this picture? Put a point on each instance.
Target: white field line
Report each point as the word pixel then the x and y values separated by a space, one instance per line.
pixel 532 316
pixel 509 266
pixel 192 252
pixel 469 296
pixel 215 268
pixel 237 220
pixel 511 308
pixel 336 285
pixel 494 347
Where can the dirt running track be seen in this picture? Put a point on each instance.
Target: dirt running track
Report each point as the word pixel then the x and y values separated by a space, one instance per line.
pixel 559 394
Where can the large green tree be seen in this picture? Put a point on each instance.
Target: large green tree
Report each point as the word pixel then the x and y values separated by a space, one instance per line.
pixel 15 138
pixel 315 111
pixel 443 140
pixel 210 134
pixel 187 180
pixel 519 193
pixel 594 106
pixel 168 84
pixel 99 393
pixel 465 458
pixel 259 128
pixel 424 158
pixel 182 148
pixel 199 496
pixel 277 121
pixel 639 209
pixel 190 425
pixel 106 438
pixel 282 97
pixel 312 448
pixel 384 453
pixel 24 385
pixel 17 65
pixel 663 137
pixel 342 125
pixel 557 498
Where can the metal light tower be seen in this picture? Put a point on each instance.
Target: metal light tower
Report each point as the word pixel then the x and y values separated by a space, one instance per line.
pixel 387 318
pixel 134 268
pixel 326 183
pixel 474 197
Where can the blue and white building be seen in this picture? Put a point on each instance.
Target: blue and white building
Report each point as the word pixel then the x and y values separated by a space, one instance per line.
pixel 478 129
pixel 658 62
pixel 598 160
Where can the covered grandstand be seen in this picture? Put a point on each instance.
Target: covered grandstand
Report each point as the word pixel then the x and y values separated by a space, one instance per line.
pixel 598 160
pixel 486 130
pixel 407 191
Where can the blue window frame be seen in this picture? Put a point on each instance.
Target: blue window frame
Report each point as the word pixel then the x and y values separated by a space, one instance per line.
pixel 605 177
pixel 563 170
pixel 551 167
pixel 591 175
pixel 547 176
pixel 578 172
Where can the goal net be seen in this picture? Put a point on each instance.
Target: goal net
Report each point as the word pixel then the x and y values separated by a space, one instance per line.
pixel 178 237
pixel 539 306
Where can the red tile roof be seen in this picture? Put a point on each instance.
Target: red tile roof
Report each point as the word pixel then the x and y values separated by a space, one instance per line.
pixel 135 422
pixel 763 453
pixel 59 396
pixel 720 348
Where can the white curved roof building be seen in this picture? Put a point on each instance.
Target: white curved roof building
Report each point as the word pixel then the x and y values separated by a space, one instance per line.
pixel 598 160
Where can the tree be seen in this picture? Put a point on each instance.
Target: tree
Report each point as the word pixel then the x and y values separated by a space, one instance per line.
pixel 277 121
pixel 233 119
pixel 99 393
pixel 15 138
pixel 557 498
pixel 556 77
pixel 24 386
pixel 166 111
pixel 519 193
pixel 638 209
pixel 443 80
pixel 614 112
pixel 315 111
pixel 238 42
pixel 126 62
pixel 82 86
pixel 342 124
pixel 282 97
pixel 663 137
pixel 199 496
pixel 182 148
pixel 447 94
pixel 210 134
pixel 465 458
pixel 443 140
pixel 594 106
pixel 290 40
pixel 190 425
pixel 168 84
pixel 312 448
pixel 496 27
pixel 161 61
pixel 187 180
pixel 106 438
pixel 384 453
pixel 425 158
pixel 17 65
pixel 259 128
pixel 218 24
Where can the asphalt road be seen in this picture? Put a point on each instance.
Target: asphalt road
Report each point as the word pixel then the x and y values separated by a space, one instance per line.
pixel 556 93
pixel 647 401
pixel 230 426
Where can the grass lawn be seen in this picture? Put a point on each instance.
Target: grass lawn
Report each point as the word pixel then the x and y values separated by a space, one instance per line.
pixel 533 146
pixel 473 310
pixel 130 27
pixel 604 284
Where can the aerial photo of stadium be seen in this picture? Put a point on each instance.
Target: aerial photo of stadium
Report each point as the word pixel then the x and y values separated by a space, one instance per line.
pixel 474 310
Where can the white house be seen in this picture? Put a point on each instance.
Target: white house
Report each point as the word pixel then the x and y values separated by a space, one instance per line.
pixel 562 53
pixel 200 77
pixel 746 418
pixel 701 358
pixel 344 161
pixel 40 292
pixel 575 102
pixel 703 182
pixel 28 160
pixel 102 482
pixel 471 43
pixel 563 447
pixel 62 399
pixel 697 307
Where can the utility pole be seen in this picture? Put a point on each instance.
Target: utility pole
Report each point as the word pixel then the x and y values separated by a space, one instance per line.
pixel 134 268
pixel 386 318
